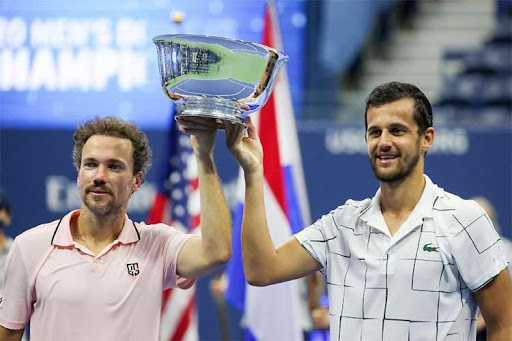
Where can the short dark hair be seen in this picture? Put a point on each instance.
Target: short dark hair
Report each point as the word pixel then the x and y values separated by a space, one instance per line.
pixel 394 91
pixel 113 126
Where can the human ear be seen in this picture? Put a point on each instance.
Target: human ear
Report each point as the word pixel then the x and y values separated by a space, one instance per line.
pixel 428 139
pixel 137 182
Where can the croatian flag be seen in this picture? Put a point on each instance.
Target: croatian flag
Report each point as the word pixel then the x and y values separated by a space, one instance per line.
pixel 273 312
pixel 177 204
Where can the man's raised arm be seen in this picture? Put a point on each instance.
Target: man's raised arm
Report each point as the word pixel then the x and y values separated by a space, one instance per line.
pixel 263 263
pixel 200 256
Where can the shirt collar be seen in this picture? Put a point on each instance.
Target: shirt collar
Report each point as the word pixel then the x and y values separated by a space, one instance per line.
pixel 62 235
pixel 423 209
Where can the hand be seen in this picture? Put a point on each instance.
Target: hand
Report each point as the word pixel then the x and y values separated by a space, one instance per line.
pixel 247 150
pixel 5 218
pixel 202 132
pixel 320 317
pixel 218 287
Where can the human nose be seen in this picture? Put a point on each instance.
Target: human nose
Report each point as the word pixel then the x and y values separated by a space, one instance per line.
pixel 100 176
pixel 385 141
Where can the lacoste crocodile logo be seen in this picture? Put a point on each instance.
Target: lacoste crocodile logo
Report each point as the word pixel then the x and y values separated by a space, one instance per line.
pixel 429 248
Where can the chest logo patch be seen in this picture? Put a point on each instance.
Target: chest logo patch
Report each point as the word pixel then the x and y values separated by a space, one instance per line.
pixel 429 248
pixel 133 269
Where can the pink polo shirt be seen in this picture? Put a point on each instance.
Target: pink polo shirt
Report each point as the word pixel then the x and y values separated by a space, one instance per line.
pixel 67 293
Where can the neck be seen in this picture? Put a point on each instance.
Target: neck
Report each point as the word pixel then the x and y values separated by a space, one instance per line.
pixel 98 229
pixel 402 196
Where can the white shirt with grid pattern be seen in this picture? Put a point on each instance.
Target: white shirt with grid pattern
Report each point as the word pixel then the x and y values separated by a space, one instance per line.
pixel 415 285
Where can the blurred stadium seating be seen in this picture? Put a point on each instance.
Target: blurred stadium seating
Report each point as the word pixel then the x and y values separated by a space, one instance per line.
pixel 479 92
pixel 459 53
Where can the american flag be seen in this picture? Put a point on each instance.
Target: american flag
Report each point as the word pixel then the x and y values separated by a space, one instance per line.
pixel 177 204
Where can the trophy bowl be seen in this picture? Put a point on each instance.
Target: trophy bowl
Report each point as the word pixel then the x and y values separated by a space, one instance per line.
pixel 216 77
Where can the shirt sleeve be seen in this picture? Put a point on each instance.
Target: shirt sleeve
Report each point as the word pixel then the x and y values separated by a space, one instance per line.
pixel 315 239
pixel 15 293
pixel 476 247
pixel 175 240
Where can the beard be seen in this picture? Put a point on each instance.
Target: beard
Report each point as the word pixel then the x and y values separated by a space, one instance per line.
pixel 400 172
pixel 101 207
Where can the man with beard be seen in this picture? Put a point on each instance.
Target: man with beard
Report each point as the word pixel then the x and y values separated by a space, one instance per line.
pixel 412 263
pixel 97 275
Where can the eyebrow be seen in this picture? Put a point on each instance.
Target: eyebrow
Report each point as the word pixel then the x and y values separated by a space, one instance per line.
pixel 392 125
pixel 398 125
pixel 109 160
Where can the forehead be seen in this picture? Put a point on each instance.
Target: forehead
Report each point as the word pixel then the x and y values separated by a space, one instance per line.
pixel 108 147
pixel 400 111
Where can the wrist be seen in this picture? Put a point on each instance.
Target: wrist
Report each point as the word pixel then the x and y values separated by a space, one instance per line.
pixel 205 160
pixel 203 153
pixel 202 147
pixel 253 173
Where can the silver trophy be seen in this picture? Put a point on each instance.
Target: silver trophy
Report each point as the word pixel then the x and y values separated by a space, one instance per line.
pixel 216 77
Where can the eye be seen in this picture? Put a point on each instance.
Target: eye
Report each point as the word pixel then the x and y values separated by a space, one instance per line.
pixel 89 164
pixel 115 166
pixel 374 133
pixel 397 131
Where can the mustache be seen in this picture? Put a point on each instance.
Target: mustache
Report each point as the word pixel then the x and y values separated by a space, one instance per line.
pixel 98 188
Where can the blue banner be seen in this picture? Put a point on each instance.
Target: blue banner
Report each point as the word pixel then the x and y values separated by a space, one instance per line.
pixel 62 62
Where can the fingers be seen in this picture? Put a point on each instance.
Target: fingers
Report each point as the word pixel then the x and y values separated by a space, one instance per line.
pixel 251 128
pixel 195 124
pixel 202 131
pixel 199 120
pixel 234 133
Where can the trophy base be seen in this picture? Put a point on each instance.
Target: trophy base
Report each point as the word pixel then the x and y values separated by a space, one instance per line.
pixel 211 107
